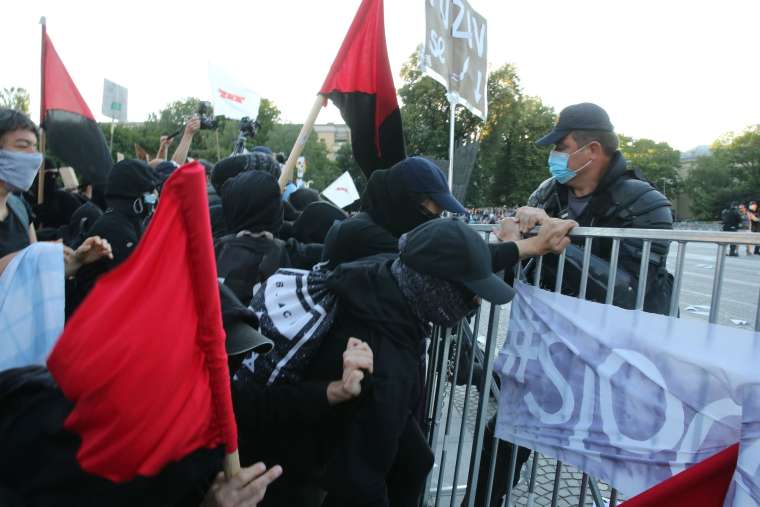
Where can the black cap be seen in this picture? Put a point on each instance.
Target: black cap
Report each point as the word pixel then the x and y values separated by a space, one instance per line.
pixel 449 249
pixel 240 325
pixel 424 177
pixel 585 116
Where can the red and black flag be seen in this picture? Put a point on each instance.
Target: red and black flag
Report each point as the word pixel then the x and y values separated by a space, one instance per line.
pixel 136 406
pixel 360 83
pixel 71 133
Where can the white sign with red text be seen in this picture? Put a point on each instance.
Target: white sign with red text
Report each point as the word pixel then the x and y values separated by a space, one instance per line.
pixel 342 192
pixel 231 99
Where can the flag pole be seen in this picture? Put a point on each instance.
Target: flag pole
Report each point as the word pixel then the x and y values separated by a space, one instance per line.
pixel 300 143
pixel 231 464
pixel 41 172
pixel 453 100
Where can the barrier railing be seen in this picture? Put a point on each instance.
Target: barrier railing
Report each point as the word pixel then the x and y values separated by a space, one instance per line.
pixel 460 371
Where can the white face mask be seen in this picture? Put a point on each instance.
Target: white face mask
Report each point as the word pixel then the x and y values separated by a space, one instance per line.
pixel 18 169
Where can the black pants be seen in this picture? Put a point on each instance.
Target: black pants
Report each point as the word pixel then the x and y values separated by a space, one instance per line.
pixel 503 458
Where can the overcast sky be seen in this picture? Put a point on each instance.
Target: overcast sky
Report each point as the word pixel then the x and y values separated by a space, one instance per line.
pixel 684 72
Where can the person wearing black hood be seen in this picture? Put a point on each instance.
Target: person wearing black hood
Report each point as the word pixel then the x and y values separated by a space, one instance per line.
pixel 229 168
pixel 302 197
pixel 316 220
pixel 131 196
pixel 253 214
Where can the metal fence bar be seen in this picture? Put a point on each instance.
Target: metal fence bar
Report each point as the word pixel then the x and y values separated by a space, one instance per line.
pixel 584 486
pixel 613 498
pixel 532 483
pixel 757 313
pixel 595 493
pixel 584 270
pixel 643 273
pixel 555 490
pixel 492 469
pixel 511 476
pixel 612 276
pixel 720 262
pixel 560 271
pixel 493 324
pixel 460 444
pixel 678 278
pixel 539 266
pixel 430 379
pixel 719 237
pixel 447 429
pixel 436 406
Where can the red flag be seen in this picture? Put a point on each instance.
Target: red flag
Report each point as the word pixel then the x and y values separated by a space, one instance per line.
pixel 360 84
pixel 70 128
pixel 702 485
pixel 143 358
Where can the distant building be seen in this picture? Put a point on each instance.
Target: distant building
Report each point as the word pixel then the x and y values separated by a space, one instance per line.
pixel 682 202
pixel 334 137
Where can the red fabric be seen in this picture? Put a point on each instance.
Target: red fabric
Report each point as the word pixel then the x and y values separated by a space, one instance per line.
pixel 702 485
pixel 59 90
pixel 143 358
pixel 362 63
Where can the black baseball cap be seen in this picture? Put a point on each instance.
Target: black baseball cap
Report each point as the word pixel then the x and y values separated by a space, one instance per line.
pixel 424 177
pixel 584 116
pixel 240 325
pixel 449 249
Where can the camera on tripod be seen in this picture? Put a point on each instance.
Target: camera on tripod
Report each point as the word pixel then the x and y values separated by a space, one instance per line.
pixel 248 130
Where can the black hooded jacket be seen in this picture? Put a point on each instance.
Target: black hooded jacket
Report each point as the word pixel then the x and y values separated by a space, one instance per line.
pixel 39 465
pixel 252 207
pixel 389 209
pixel 367 442
pixel 121 224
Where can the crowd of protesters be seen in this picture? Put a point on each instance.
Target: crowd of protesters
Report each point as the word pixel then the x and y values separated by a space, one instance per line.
pixel 346 429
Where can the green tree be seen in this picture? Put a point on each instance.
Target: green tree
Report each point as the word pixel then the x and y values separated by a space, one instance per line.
pixel 15 98
pixel 211 145
pixel 658 161
pixel 510 165
pixel 730 173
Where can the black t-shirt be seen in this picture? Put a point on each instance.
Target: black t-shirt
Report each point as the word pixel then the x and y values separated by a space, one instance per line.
pixel 14 235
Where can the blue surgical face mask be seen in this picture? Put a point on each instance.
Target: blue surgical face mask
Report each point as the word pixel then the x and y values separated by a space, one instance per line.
pixel 558 165
pixel 18 169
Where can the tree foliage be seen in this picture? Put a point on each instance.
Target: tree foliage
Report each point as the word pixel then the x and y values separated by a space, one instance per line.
pixel 510 165
pixel 658 161
pixel 730 173
pixel 15 98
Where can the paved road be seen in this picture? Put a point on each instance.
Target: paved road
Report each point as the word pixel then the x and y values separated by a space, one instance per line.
pixel 741 285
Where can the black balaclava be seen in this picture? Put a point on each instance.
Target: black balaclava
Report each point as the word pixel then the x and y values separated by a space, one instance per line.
pixel 391 203
pixel 251 201
pixel 232 166
pixel 303 197
pixel 128 181
pixel 432 299
pixel 315 221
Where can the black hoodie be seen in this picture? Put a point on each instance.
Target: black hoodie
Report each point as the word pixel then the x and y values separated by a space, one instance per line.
pixel 253 210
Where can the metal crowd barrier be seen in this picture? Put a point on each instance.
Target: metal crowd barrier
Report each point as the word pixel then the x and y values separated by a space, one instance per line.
pixel 454 479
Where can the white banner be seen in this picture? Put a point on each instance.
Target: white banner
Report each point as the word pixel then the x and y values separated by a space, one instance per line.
pixel 230 98
pixel 342 192
pixel 630 397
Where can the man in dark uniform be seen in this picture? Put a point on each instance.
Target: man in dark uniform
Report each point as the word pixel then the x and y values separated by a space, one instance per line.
pixel 592 184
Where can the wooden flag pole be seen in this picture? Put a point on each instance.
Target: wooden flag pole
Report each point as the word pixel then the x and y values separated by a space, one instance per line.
pixel 303 136
pixel 231 465
pixel 41 172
